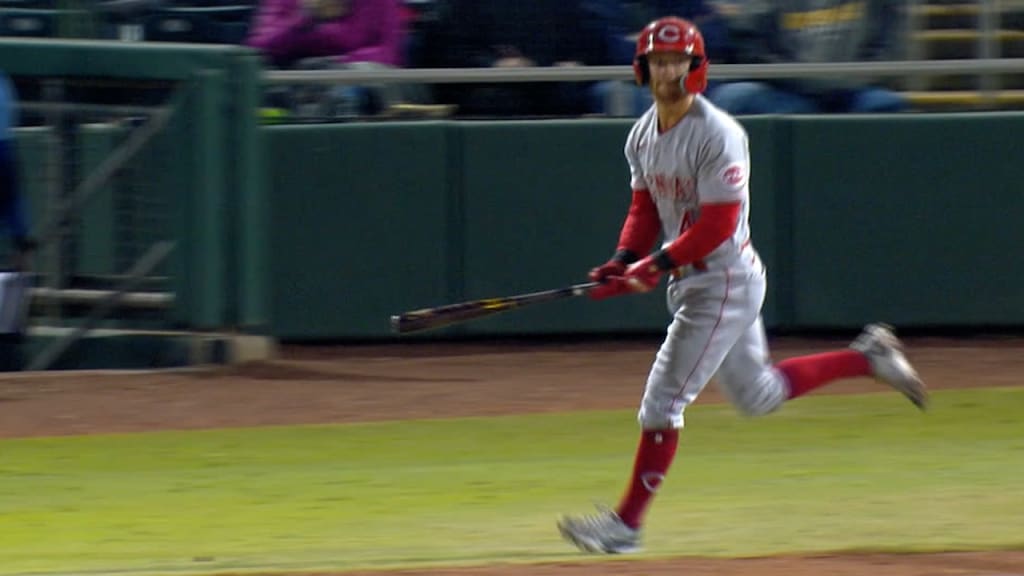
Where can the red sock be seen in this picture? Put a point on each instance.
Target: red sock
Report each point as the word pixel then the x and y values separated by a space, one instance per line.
pixel 653 458
pixel 805 373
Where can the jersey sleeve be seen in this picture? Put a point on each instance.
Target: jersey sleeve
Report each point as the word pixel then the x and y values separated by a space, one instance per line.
pixel 724 171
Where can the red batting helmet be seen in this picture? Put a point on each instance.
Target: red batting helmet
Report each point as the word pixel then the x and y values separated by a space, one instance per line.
pixel 673 34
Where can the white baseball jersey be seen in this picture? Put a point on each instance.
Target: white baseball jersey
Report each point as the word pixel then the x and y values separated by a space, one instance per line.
pixel 704 159
pixel 716 326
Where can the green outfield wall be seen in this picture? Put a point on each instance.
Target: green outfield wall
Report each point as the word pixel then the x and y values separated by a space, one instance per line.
pixel 908 219
pixel 915 219
pixel 363 221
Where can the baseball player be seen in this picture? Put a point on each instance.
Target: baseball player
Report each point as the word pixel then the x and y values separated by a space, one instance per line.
pixel 689 167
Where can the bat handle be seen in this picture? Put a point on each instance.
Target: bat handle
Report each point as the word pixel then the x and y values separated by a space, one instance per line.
pixel 581 289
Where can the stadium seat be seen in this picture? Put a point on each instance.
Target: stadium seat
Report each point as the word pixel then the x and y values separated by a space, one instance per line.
pixel 28 22
pixel 948 29
pixel 208 25
pixel 964 100
pixel 163 26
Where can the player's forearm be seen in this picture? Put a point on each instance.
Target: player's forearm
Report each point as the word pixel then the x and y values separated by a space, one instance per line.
pixel 641 228
pixel 716 224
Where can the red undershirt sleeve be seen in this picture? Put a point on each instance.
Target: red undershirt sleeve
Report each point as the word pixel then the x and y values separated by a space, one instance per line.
pixel 641 228
pixel 716 224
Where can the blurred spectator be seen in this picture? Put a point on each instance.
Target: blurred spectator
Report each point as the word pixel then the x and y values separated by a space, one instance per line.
pixel 514 33
pixel 287 31
pixel 618 23
pixel 12 204
pixel 325 34
pixel 421 22
pixel 765 31
pixel 13 284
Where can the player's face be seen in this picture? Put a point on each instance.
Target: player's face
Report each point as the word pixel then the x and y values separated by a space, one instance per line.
pixel 666 70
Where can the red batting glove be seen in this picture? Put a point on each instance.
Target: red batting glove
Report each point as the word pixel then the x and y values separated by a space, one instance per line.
pixel 644 275
pixel 609 268
pixel 611 286
pixel 609 275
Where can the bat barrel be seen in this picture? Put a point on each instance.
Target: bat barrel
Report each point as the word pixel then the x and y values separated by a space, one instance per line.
pixel 440 316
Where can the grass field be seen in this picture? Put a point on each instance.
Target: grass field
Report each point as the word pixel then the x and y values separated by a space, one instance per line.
pixel 826 473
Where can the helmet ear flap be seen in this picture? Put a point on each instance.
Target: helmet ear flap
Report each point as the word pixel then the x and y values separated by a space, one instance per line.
pixel 697 79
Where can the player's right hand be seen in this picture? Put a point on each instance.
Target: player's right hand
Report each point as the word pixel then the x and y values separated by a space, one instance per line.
pixel 604 271
pixel 610 286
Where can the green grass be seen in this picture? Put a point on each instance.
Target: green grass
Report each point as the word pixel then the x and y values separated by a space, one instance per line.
pixel 826 473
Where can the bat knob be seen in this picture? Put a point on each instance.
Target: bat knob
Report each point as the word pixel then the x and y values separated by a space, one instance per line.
pixel 396 323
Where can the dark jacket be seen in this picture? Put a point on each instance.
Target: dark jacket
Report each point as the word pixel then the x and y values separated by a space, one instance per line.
pixel 819 31
pixel 475 34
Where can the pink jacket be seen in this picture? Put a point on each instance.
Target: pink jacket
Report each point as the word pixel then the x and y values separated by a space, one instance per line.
pixel 372 31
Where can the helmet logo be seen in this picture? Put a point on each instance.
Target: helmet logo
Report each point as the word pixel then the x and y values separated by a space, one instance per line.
pixel 678 36
pixel 670 34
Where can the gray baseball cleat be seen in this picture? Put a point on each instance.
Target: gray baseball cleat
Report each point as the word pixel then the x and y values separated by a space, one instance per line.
pixel 601 533
pixel 885 354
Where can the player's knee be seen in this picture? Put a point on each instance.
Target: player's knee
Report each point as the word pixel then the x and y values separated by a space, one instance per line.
pixel 755 410
pixel 759 400
pixel 755 395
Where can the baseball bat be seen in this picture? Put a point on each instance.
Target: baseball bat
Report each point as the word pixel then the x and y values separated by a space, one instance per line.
pixel 439 316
